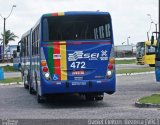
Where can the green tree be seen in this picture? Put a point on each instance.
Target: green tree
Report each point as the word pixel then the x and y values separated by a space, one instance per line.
pixel 9 36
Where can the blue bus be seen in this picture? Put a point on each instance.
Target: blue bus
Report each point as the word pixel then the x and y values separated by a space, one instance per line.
pixel 157 58
pixel 69 52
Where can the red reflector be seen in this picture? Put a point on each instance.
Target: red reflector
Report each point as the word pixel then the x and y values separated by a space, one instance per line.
pixel 45 69
pixel 110 66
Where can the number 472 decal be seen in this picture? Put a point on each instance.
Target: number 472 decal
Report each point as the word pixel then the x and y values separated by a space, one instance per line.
pixel 77 65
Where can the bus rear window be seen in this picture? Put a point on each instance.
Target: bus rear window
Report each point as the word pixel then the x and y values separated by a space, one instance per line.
pixel 150 50
pixel 77 27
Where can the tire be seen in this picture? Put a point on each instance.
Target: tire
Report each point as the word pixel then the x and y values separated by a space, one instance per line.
pixel 89 97
pixel 40 99
pixel 152 65
pixel 24 84
pixel 31 91
pixel 99 97
pixel 110 93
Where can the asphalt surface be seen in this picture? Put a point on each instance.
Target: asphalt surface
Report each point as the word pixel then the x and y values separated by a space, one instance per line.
pixel 17 103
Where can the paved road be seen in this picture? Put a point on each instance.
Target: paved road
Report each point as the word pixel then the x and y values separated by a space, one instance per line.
pixel 17 103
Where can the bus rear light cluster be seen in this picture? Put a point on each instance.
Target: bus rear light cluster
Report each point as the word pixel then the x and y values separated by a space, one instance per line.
pixel 43 63
pixel 47 76
pixel 45 70
pixel 111 65
pixel 109 73
pixel 110 68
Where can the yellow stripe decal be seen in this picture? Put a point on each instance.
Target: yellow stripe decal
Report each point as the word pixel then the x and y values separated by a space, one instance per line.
pixel 63 60
pixel 61 14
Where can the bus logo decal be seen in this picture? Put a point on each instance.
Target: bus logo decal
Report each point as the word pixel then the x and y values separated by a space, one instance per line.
pixel 104 55
pixel 80 55
pixel 75 56
pixel 90 56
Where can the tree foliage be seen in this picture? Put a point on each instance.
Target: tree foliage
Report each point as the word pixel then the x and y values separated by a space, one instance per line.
pixel 9 36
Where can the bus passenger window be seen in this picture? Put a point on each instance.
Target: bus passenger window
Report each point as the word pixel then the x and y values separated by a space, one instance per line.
pixel 101 32
pixel 95 33
pixel 45 30
pixel 107 29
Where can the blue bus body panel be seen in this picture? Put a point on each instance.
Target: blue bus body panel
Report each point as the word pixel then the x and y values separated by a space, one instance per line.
pixel 95 55
pixel 56 87
pixel 91 55
pixel 157 73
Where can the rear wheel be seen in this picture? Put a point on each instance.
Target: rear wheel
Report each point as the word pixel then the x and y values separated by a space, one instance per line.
pixel 31 91
pixel 110 93
pixel 94 96
pixel 24 83
pixel 89 97
pixel 152 65
pixel 40 99
pixel 25 86
pixel 99 97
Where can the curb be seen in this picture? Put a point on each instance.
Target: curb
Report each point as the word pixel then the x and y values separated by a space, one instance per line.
pixel 128 74
pixel 146 105
pixel 13 83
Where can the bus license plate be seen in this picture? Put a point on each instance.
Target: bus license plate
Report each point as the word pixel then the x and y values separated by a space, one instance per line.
pixel 77 72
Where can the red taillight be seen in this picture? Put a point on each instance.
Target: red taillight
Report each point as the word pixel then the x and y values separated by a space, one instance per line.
pixel 45 69
pixel 110 66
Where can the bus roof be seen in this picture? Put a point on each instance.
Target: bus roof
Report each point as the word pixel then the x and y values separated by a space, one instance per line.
pixel 26 34
pixel 76 13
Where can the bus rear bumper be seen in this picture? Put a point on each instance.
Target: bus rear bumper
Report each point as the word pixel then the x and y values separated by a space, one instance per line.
pixel 92 86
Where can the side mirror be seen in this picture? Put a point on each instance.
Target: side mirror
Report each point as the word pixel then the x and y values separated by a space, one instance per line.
pixel 152 40
pixel 14 54
pixel 18 48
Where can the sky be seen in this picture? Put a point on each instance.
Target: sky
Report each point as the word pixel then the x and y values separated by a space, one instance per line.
pixel 129 17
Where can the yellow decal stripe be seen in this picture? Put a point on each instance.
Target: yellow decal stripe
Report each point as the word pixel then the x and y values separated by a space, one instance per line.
pixel 61 14
pixel 63 60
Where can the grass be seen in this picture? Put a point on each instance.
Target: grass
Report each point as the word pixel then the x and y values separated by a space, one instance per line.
pixel 8 68
pixel 153 99
pixel 145 69
pixel 10 80
pixel 132 61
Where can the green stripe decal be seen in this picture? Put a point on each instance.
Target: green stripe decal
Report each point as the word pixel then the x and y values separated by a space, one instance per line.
pixel 50 60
